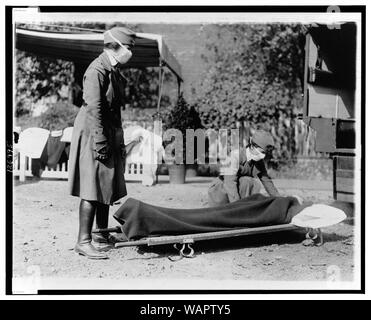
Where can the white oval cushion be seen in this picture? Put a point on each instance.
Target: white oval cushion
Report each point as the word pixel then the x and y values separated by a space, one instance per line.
pixel 318 216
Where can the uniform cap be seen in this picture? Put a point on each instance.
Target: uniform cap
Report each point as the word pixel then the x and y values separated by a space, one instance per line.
pixel 263 139
pixel 120 34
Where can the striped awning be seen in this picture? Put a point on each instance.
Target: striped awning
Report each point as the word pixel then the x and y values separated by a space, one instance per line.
pixel 150 49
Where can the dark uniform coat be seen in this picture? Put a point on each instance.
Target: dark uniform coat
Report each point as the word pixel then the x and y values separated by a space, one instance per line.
pixel 230 188
pixel 98 123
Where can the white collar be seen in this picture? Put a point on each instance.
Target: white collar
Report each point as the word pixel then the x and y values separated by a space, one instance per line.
pixel 248 154
pixel 112 60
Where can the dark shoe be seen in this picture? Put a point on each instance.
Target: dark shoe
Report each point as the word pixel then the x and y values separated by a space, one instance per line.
pixel 88 250
pixel 105 238
pixel 103 242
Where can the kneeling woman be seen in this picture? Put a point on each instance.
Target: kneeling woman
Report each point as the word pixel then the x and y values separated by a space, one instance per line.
pixel 237 178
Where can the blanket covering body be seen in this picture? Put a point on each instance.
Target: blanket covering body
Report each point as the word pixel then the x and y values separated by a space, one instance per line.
pixel 141 220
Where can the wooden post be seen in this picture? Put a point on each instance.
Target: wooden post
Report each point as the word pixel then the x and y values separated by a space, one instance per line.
pixel 22 166
pixel 179 81
pixel 160 82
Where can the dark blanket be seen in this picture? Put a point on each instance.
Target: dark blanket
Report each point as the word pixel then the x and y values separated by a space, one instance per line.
pixel 54 152
pixel 141 220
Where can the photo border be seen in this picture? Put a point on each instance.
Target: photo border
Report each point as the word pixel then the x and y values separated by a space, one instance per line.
pixel 212 9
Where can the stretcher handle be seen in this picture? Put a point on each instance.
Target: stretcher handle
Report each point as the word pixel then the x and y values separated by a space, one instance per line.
pixel 112 229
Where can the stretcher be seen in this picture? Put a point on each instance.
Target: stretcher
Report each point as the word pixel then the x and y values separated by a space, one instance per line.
pixel 312 219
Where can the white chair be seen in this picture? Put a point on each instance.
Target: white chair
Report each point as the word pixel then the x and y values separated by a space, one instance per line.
pixel 30 146
pixel 32 142
pixel 67 135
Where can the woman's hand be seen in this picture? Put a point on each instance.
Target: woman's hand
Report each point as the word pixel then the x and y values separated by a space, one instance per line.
pixel 123 150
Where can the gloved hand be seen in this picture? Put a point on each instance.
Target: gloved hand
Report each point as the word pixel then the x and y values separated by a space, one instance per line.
pixel 102 151
pixel 123 150
pixel 138 139
pixel 126 149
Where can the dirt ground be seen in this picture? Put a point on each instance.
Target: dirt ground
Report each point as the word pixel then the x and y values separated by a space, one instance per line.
pixel 45 220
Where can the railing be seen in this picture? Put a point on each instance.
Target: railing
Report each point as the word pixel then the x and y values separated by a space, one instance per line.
pixel 22 167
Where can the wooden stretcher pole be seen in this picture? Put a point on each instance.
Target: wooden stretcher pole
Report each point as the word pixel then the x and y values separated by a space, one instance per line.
pixel 157 127
pixel 191 238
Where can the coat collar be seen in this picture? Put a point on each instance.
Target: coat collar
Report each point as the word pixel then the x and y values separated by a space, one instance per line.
pixel 106 61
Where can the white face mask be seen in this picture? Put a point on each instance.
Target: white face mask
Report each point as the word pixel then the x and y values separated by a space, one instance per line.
pixel 122 55
pixel 254 154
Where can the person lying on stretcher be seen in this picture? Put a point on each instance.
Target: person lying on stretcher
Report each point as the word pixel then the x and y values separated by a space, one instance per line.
pixel 140 220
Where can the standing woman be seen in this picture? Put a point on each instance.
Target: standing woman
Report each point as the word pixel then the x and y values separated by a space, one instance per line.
pixel 97 154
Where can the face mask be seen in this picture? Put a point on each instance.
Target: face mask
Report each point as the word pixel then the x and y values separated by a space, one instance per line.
pixel 122 55
pixel 254 154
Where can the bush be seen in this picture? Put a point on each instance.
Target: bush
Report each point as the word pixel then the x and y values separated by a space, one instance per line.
pixel 58 116
pixel 181 116
pixel 305 169
pixel 40 77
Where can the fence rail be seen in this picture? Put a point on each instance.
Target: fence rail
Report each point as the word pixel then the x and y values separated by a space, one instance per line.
pixel 22 167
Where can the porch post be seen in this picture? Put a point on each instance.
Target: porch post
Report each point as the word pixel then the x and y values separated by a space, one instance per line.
pixel 179 85
pixel 160 81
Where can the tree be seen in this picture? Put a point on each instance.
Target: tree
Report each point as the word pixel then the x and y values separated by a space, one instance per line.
pixel 38 78
pixel 254 75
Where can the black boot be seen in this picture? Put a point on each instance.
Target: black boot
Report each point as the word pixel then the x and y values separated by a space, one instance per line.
pixel 103 240
pixel 86 219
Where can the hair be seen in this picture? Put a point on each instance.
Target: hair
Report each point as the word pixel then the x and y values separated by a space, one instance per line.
pixel 112 46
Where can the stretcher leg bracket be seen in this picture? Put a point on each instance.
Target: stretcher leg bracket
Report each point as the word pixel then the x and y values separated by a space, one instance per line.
pixel 186 251
pixel 315 235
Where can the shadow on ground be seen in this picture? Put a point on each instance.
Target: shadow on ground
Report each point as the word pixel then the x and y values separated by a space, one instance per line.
pixel 32 180
pixel 242 242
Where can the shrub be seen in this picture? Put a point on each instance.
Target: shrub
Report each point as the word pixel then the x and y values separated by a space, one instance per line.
pixel 181 116
pixel 58 116
pixel 40 77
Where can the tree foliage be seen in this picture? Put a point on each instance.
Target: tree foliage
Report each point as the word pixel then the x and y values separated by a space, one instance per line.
pixel 254 75
pixel 38 78
pixel 142 89
pixel 58 116
pixel 181 116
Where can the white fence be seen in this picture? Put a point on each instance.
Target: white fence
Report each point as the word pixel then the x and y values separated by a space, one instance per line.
pixel 22 167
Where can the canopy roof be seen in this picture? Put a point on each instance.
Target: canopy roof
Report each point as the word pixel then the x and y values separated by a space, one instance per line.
pixel 150 49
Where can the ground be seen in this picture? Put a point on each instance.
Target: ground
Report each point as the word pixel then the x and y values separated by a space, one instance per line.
pixel 45 220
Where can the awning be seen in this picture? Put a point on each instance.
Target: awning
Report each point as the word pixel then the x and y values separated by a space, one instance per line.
pixel 150 49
